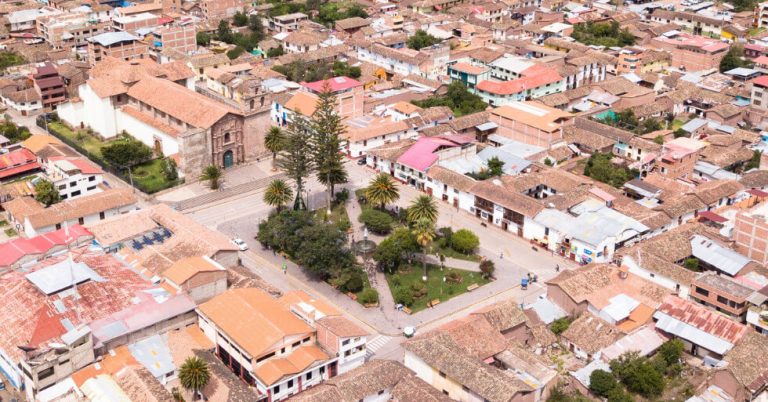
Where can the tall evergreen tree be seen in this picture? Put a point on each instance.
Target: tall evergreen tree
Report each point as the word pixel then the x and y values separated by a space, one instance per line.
pixel 326 142
pixel 295 159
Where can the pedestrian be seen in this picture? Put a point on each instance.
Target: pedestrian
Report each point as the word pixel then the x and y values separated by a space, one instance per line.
pixel 501 255
pixel 557 268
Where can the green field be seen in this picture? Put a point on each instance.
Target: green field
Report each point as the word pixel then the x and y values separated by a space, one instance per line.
pixel 436 287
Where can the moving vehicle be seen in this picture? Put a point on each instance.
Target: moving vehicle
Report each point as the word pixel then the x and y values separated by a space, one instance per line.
pixel 240 244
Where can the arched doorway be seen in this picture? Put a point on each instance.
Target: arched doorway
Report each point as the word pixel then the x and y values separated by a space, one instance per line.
pixel 229 159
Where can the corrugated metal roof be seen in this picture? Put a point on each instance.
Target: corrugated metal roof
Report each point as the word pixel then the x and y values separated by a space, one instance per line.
pixel 644 341
pixel 62 275
pixel 690 333
pixel 722 258
pixel 582 375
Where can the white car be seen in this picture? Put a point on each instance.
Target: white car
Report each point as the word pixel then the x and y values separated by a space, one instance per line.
pixel 240 244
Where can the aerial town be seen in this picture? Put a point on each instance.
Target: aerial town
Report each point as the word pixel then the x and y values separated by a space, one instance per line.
pixel 383 200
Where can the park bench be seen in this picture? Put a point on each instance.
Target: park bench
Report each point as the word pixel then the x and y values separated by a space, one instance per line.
pixel 472 287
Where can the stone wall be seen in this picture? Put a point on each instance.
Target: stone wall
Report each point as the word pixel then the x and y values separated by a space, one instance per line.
pixel 194 153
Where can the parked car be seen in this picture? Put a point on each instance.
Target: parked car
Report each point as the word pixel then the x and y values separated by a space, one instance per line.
pixel 240 244
pixel 361 161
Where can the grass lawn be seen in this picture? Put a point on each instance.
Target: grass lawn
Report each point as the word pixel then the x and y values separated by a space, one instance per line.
pixel 677 123
pixel 338 216
pixel 3 223
pixel 436 288
pixel 90 143
pixel 149 177
pixel 10 232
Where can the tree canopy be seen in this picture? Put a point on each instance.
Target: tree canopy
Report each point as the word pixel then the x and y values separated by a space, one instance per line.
pixel 734 58
pixel 608 34
pixel 421 39
pixel 331 12
pixel 458 98
pixel 600 168
pixel 126 151
pixel 46 193
pixel 299 70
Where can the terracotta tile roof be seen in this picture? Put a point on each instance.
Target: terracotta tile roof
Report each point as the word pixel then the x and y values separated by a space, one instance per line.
pixel 184 269
pixel 341 326
pixel 755 179
pixel 591 334
pixel 299 360
pixel 40 217
pixel 252 319
pixel 503 316
pixel 533 114
pixel 150 121
pixel 713 191
pixel 745 362
pixel 413 388
pixel 477 335
pixel 302 102
pixel 681 205
pixel 456 180
pixel 188 106
pixel 441 353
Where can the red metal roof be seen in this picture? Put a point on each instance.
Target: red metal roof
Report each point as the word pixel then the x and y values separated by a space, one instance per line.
pixel 13 250
pixel 19 170
pixel 761 81
pixel 703 318
pixel 711 216
pixel 521 84
pixel 757 192
pixel 16 157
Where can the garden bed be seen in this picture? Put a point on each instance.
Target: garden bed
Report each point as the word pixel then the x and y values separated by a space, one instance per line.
pixel 436 289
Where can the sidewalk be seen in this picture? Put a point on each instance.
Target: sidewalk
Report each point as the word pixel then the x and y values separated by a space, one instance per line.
pixel 450 262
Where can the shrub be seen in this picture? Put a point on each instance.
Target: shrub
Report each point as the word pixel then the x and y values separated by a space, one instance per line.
pixel 396 280
pixel 369 296
pixel 671 351
pixel 445 233
pixel 404 296
pixel 487 267
pixel 692 264
pixel 560 325
pixel 618 395
pixel 464 241
pixel 638 374
pixel 453 277
pixel 602 382
pixel 376 221
pixel 354 284
pixel 342 196
pixel 419 289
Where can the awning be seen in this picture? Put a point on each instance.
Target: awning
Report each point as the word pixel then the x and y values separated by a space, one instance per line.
pixel 487 126
pixel 757 193
pixel 711 216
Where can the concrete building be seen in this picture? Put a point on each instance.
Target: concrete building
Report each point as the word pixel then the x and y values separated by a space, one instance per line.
pixel 287 22
pixel 74 177
pixel 289 354
pixel 200 277
pixel 180 38
pixel 215 10
pixel 530 122
pixel 722 294
pixel 67 30
pixel 120 45
pixel 427 62
pixel 134 22
pixel 50 85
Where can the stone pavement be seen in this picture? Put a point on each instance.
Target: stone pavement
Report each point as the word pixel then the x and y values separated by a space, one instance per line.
pixel 228 192
pixel 450 262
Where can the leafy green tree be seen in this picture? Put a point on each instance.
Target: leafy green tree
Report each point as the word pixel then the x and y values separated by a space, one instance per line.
pixel 607 34
pixel 423 208
pixel 126 152
pixel 680 133
pixel 464 241
pixel 376 221
pixel 224 32
pixel 600 168
pixel 382 190
pixel 170 170
pixel 458 98
pixel 421 39
pixel 487 268
pixel 275 52
pixel 46 193
pixel 235 53
pixel 295 158
pixel 404 296
pixel 424 232
pixel 203 38
pixel 320 250
pixel 672 351
pixel 651 125
pixel 194 374
pixel 734 58
pixel 10 58
pixel 281 232
pixel 754 162
pixel 278 194
pixel 354 284
pixel 212 174
pixel 560 325
pixel 619 395
pixel 495 166
pixel 369 296
pixel 240 19
pixel 274 141
pixel 325 141
pixel 390 253
pixel 602 382
pixel 692 264
pixel 638 374
pixel 659 139
pixel 256 25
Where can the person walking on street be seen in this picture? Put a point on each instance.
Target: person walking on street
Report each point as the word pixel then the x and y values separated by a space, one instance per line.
pixel 557 268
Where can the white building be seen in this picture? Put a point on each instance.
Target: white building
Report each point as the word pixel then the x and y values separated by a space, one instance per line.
pixel 74 177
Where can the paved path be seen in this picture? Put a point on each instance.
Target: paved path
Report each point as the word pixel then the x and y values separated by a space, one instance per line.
pixel 228 192
pixel 450 262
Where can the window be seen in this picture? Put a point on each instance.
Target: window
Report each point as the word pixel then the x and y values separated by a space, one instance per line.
pixel 722 300
pixel 276 389
pixel 62 187
pixel 295 344
pixel 101 215
pixel 345 342
pixel 265 357
pixel 703 292
pixel 72 183
pixel 80 220
pixel 322 370
pixel 309 376
pixel 92 178
pixel 290 383
pixel 90 188
pixel 282 351
pixel 227 138
pixel 45 373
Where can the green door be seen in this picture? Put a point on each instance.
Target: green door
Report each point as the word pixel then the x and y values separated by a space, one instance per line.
pixel 229 159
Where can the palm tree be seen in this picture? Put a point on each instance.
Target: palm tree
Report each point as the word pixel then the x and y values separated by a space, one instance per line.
pixel 423 208
pixel 211 174
pixel 194 375
pixel 424 232
pixel 382 190
pixel 278 194
pixel 274 141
